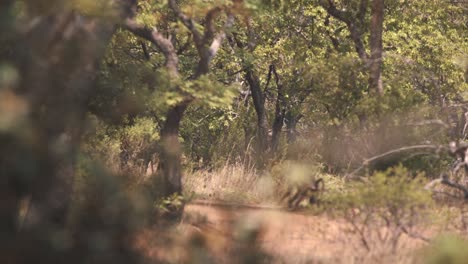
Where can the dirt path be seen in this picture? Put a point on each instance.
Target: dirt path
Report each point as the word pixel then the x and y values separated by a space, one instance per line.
pixel 283 234
pixel 289 237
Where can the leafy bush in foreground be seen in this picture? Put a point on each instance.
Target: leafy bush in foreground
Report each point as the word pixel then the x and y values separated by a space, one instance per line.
pixel 384 207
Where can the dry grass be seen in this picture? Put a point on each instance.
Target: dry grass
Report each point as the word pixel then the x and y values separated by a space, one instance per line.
pixel 241 183
pixel 231 183
pixel 213 233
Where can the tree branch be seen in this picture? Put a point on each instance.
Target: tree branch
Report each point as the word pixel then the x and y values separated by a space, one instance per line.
pixel 354 29
pixel 362 10
pixel 188 22
pixel 145 50
pixel 208 53
pixel 209 25
pixel 184 46
pixel 429 122
pixel 446 181
pixel 333 11
pixel 356 36
pixel 271 68
pixel 155 37
pixel 402 149
pixel 217 41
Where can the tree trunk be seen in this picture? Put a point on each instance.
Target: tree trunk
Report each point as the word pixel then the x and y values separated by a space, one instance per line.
pixel 207 45
pixel 355 26
pixel 375 67
pixel 171 151
pixel 291 121
pixel 57 60
pixel 279 114
pixel 276 129
pixel 259 105
pixel 58 92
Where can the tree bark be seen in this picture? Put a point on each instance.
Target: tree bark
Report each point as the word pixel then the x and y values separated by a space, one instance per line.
pixel 170 158
pixel 259 105
pixel 291 121
pixel 258 97
pixel 279 113
pixel 375 67
pixel 355 27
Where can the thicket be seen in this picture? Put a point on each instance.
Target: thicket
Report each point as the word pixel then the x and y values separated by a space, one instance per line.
pixel 315 99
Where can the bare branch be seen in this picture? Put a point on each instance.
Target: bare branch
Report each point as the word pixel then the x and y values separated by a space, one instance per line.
pixel 399 150
pixel 446 181
pixel 376 46
pixel 429 122
pixel 442 180
pixel 356 36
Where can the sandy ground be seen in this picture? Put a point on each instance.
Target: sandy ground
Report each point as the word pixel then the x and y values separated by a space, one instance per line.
pixel 289 237
pixel 283 233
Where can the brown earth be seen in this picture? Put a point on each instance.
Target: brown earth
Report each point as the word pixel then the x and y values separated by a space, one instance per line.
pixel 288 237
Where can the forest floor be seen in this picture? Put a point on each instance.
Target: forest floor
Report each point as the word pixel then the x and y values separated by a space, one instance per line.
pixel 287 237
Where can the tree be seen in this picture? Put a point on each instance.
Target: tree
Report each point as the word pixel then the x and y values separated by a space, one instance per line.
pixel 50 57
pixel 356 25
pixel 207 45
pixel 376 48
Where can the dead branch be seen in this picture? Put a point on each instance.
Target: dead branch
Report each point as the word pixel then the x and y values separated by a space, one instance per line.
pixel 430 122
pixel 446 181
pixel 366 162
pixel 460 152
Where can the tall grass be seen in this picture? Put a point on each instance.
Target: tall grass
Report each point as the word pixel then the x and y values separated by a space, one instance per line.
pixel 238 182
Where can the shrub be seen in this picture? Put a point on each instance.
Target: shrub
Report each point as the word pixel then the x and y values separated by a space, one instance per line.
pixel 447 249
pixel 383 207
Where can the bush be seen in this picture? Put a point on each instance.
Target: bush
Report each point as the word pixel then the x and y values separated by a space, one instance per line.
pixel 383 207
pixel 447 249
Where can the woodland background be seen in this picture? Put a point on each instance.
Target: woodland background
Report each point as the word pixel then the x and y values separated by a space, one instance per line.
pixel 117 114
